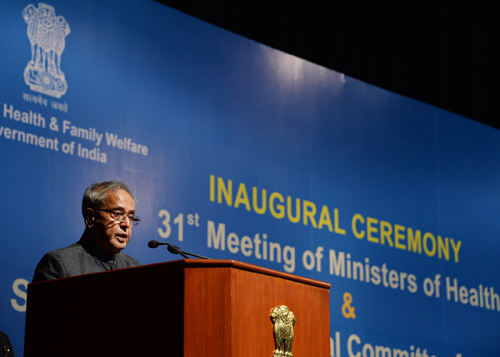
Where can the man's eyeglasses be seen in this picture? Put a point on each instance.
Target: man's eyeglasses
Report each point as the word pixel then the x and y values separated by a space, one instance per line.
pixel 119 216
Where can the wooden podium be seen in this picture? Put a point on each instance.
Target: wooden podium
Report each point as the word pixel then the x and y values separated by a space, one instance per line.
pixel 216 308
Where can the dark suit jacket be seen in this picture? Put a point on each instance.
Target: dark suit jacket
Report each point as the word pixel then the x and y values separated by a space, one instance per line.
pixel 83 257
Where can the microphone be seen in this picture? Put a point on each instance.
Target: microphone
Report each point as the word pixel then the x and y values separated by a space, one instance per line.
pixel 173 249
pixel 154 244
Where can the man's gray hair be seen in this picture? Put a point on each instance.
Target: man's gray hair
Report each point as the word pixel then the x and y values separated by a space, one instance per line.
pixel 96 193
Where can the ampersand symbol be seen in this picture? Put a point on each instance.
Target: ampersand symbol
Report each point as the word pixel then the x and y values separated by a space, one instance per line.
pixel 53 124
pixel 347 309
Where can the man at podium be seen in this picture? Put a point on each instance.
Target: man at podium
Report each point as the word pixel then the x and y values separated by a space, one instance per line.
pixel 108 210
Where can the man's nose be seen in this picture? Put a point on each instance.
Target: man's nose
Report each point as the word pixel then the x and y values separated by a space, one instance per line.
pixel 126 222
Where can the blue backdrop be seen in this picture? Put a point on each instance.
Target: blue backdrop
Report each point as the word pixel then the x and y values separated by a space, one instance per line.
pixel 238 151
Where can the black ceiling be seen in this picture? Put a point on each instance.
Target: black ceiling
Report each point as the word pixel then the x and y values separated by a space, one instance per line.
pixel 444 53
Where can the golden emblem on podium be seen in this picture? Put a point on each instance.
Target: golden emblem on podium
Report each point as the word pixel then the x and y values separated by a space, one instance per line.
pixel 283 320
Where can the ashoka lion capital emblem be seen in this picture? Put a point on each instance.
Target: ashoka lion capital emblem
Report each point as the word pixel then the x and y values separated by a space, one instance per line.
pixel 47 35
pixel 283 320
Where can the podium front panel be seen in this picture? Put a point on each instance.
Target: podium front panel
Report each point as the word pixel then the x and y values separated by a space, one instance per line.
pixel 191 308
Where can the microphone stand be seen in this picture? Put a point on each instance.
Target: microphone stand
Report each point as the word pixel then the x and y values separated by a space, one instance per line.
pixel 176 250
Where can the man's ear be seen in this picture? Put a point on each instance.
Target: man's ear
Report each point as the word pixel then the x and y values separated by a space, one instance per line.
pixel 89 217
